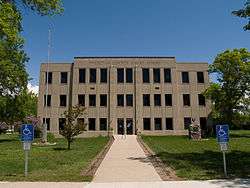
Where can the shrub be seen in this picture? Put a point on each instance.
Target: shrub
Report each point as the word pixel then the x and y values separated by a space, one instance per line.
pixel 3 127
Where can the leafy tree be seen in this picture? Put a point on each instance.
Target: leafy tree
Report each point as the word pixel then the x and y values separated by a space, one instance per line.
pixel 72 126
pixel 233 84
pixel 244 13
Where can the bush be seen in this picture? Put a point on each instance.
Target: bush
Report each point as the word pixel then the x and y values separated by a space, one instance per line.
pixel 3 127
pixel 51 137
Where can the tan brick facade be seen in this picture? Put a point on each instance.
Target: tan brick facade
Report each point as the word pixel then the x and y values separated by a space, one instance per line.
pixel 177 111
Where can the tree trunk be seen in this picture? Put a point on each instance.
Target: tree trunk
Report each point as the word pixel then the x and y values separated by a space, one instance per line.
pixel 68 145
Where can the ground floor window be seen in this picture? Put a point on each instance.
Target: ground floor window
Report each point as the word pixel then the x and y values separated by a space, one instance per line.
pixel 187 122
pixel 146 124
pixel 169 123
pixel 62 122
pixel 80 122
pixel 158 125
pixel 92 124
pixel 103 124
pixel 203 123
pixel 47 122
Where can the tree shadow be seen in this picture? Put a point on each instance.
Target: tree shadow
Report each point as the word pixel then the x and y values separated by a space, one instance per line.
pixel 7 140
pixel 232 135
pixel 239 183
pixel 60 149
pixel 142 159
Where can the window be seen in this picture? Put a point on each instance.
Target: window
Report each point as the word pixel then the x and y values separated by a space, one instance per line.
pixel 185 77
pixel 145 76
pixel 91 124
pixel 47 123
pixel 104 75
pixel 103 124
pixel 167 75
pixel 158 124
pixel 129 75
pixel 146 99
pixel 187 122
pixel 92 75
pixel 64 77
pixel 169 123
pixel 203 123
pixel 103 100
pixel 157 75
pixel 48 100
pixel 82 75
pixel 81 100
pixel 92 100
pixel 129 100
pixel 120 100
pixel 157 99
pixel 63 100
pixel 49 76
pixel 200 77
pixel 146 124
pixel 80 122
pixel 62 122
pixel 202 100
pixel 186 99
pixel 120 75
pixel 168 99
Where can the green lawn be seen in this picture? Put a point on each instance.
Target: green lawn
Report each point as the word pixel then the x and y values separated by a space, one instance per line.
pixel 52 163
pixel 203 159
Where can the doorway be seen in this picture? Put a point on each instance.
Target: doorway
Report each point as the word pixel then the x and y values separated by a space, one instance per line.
pixel 129 126
pixel 121 126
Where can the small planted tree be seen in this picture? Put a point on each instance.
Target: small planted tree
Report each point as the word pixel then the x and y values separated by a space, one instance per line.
pixel 72 126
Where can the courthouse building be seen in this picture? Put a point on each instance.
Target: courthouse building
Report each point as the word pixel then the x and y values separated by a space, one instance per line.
pixel 150 95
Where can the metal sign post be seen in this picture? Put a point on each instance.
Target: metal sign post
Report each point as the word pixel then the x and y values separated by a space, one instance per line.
pixel 27 137
pixel 222 132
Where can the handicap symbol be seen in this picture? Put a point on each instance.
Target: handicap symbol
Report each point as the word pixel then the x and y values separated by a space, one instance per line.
pixel 221 132
pixel 26 131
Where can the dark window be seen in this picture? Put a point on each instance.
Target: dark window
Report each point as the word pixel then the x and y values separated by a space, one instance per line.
pixel 82 75
pixel 120 100
pixel 103 124
pixel 49 78
pixel 62 122
pixel 203 123
pixel 146 99
pixel 186 99
pixel 81 100
pixel 129 100
pixel 158 124
pixel 104 75
pixel 168 99
pixel 129 75
pixel 157 75
pixel 48 100
pixel 202 100
pixel 120 75
pixel 63 100
pixel 92 75
pixel 92 124
pixel 187 122
pixel 169 123
pixel 92 100
pixel 64 77
pixel 185 77
pixel 146 124
pixel 145 76
pixel 157 99
pixel 167 75
pixel 103 100
pixel 200 77
pixel 47 122
pixel 80 122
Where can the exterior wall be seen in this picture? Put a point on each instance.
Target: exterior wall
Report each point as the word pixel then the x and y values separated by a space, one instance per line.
pixel 177 111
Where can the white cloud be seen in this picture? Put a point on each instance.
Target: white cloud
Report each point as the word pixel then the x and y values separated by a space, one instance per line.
pixel 33 88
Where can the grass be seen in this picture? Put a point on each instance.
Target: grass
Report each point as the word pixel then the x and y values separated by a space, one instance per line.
pixel 53 163
pixel 202 160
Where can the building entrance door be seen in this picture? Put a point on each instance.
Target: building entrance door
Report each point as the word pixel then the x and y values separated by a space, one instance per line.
pixel 129 126
pixel 120 126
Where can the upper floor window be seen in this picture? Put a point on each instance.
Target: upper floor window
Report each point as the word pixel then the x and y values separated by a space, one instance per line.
pixel 81 100
pixel 48 103
pixel 120 75
pixel 167 75
pixel 82 75
pixel 201 100
pixel 92 100
pixel 186 99
pixel 146 99
pixel 49 77
pixel 157 99
pixel 168 99
pixel 64 77
pixel 103 100
pixel 185 77
pixel 104 75
pixel 200 77
pixel 120 100
pixel 158 124
pixel 169 123
pixel 92 75
pixel 129 100
pixel 157 75
pixel 129 75
pixel 63 100
pixel 145 76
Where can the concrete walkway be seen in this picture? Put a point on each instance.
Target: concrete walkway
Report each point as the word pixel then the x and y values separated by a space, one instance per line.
pixel 126 162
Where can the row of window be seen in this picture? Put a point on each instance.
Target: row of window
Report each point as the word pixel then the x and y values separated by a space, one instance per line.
pixel 126 100
pixel 125 75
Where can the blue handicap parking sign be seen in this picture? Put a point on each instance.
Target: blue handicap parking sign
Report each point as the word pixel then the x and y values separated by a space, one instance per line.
pixel 222 132
pixel 27 133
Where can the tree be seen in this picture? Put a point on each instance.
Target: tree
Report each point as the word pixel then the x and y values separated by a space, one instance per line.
pixel 233 84
pixel 244 13
pixel 72 126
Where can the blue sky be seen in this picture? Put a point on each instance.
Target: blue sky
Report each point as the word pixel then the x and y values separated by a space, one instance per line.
pixel 193 30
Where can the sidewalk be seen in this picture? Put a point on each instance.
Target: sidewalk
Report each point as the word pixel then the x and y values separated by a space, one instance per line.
pixel 126 162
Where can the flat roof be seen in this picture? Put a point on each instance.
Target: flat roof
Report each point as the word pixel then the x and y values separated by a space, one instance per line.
pixel 124 57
